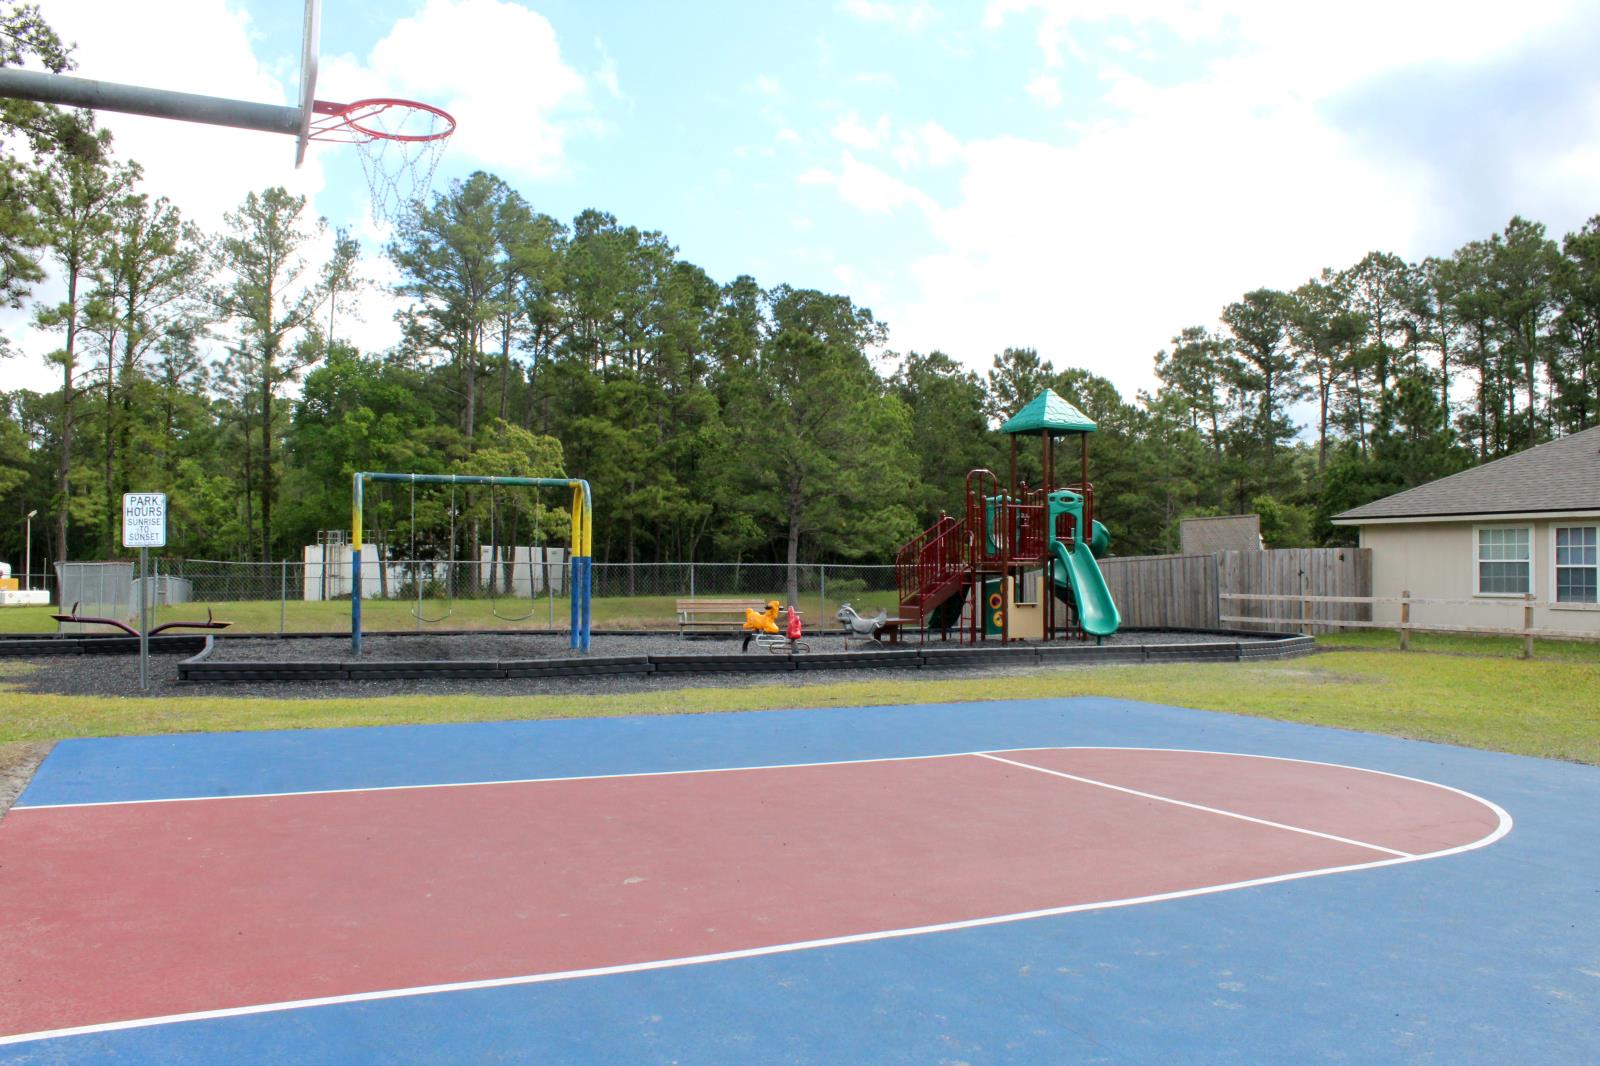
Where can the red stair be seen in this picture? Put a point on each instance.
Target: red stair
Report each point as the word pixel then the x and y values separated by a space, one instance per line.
pixel 932 567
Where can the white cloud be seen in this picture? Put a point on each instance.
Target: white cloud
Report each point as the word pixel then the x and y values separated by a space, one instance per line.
pixel 850 130
pixel 876 79
pixel 907 150
pixel 1098 247
pixel 767 85
pixel 1098 252
pixel 1320 42
pixel 607 74
pixel 867 188
pixel 910 16
pixel 1046 89
pixel 938 144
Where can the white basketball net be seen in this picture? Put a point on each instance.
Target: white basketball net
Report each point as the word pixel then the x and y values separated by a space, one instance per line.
pixel 399 144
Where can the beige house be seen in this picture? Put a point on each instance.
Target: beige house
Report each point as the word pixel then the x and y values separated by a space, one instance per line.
pixel 1487 538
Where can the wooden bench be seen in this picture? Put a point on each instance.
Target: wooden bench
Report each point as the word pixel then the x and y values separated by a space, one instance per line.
pixel 708 614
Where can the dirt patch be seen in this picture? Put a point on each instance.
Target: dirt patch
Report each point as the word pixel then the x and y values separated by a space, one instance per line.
pixel 17 763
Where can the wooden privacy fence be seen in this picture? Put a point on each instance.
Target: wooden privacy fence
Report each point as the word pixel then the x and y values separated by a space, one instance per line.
pixel 1164 591
pixel 1341 578
pixel 1302 614
pixel 1187 591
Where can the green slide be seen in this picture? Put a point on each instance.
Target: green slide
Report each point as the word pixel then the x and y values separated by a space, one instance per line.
pixel 1077 570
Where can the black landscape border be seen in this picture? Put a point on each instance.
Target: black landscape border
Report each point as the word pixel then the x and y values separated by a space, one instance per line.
pixel 198 669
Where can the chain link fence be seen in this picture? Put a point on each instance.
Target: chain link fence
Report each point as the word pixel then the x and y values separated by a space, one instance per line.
pixel 39 579
pixel 760 580
pixel 405 594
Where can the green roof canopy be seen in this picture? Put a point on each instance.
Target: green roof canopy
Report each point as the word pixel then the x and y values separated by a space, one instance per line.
pixel 1048 413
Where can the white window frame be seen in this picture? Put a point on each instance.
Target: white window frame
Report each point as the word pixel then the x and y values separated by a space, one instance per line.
pixel 1555 583
pixel 1477 561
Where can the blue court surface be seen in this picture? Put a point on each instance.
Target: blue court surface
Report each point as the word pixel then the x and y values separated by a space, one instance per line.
pixel 1489 955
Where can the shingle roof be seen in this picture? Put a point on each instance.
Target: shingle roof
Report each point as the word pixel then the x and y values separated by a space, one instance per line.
pixel 1563 475
pixel 1048 411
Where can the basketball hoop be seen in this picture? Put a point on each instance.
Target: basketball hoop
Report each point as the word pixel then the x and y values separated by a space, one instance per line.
pixel 399 142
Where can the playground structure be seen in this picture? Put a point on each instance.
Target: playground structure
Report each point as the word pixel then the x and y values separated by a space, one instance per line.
pixel 579 562
pixel 981 573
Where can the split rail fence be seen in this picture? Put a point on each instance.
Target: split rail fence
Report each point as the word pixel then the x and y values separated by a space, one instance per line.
pixel 1308 607
pixel 1304 590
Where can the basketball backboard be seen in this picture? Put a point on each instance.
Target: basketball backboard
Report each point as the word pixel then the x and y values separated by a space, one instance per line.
pixel 311 46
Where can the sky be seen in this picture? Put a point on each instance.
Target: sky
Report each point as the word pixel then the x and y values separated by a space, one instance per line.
pixel 1084 177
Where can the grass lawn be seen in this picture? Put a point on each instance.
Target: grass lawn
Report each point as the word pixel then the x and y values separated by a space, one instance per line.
pixel 1463 644
pixel 1487 699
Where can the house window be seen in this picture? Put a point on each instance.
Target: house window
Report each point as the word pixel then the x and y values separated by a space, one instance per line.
pixel 1505 561
pixel 1577 564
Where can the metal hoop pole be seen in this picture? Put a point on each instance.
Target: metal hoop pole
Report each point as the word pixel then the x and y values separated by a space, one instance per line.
pixel 138 100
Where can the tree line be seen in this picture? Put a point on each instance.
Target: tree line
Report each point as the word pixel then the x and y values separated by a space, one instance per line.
pixel 715 420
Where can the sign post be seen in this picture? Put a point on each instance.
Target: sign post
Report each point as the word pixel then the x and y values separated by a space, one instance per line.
pixel 144 526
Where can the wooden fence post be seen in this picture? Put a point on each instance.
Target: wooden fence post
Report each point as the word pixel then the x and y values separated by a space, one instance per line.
pixel 1305 616
pixel 1405 619
pixel 1527 626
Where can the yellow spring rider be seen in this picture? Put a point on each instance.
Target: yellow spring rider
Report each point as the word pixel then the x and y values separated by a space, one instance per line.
pixel 762 627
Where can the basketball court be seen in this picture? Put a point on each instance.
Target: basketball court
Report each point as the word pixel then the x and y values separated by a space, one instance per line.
pixel 1066 880
pixel 1078 880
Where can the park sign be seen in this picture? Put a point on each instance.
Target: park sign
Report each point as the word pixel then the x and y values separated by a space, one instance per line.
pixel 144 520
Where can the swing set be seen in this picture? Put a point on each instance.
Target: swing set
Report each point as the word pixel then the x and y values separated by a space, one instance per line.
pixel 579 565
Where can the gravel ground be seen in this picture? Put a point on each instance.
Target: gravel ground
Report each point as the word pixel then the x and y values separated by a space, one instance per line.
pixel 115 675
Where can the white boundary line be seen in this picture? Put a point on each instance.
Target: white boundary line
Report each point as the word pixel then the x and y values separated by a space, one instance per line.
pixel 1196 806
pixel 476 784
pixel 1502 828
